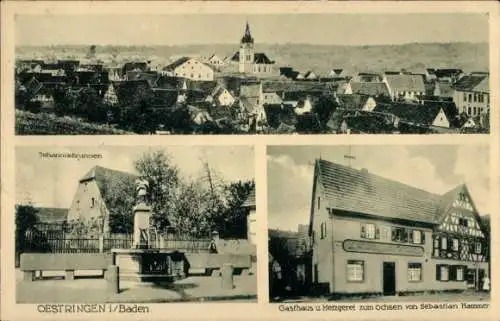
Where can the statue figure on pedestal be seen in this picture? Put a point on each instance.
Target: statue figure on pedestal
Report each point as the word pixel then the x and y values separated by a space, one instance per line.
pixel 142 191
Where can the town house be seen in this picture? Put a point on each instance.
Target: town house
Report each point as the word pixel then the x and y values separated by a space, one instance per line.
pixel 472 94
pixel 405 87
pixel 374 235
pixel 190 68
pixel 89 202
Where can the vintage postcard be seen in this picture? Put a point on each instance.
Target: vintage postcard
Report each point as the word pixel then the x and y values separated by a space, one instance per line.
pixel 185 160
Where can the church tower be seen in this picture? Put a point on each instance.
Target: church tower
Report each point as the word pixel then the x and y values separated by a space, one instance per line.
pixel 246 52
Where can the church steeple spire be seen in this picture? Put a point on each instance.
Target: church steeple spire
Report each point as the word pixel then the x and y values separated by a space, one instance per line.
pixel 247 37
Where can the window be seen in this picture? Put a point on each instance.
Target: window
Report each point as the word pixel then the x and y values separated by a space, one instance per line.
pixel 414 272
pixel 444 243
pixel 462 222
pixel 455 244
pixel 459 273
pixel 465 97
pixel 355 271
pixel 370 231
pixel 92 202
pixel 478 248
pixel 319 202
pixel 474 111
pixel 323 230
pixel 416 236
pixel 399 234
pixel 470 97
pixel 442 272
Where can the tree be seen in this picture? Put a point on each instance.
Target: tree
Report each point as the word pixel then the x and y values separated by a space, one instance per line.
pixel 26 220
pixel 118 196
pixel 163 177
pixel 324 108
pixel 231 220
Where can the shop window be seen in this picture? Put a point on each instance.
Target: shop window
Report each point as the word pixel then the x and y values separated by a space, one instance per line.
pixel 355 271
pixel 414 272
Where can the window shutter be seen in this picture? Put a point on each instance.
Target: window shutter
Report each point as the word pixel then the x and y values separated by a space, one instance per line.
pixel 377 232
pixel 422 237
pixel 410 236
pixel 452 270
pixel 363 231
pixel 438 272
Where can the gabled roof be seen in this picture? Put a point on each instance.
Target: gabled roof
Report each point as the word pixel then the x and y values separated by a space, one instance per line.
pixel 447 72
pixel 370 88
pixel 412 113
pixel 354 101
pixel 261 58
pixel 250 201
pixel 478 83
pixel 359 191
pixel 151 77
pixel 406 82
pixel 176 63
pixel 51 214
pixel 104 176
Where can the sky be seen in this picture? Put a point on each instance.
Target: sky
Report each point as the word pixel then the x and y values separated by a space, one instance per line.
pixel 183 29
pixel 52 182
pixel 435 168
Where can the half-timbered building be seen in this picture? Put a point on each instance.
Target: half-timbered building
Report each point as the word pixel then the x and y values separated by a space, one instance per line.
pixel 374 235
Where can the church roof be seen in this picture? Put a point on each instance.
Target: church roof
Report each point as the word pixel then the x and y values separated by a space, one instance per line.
pixel 247 37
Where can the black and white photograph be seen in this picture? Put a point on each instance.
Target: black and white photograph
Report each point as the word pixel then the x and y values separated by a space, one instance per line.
pixel 305 73
pixel 389 223
pixel 135 224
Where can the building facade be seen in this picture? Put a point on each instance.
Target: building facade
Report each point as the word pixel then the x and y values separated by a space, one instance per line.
pixel 472 95
pixel 190 68
pixel 250 205
pixel 373 235
pixel 89 202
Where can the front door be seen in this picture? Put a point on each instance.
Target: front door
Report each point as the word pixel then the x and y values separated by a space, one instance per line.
pixel 389 278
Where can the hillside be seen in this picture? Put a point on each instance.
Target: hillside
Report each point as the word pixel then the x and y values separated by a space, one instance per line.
pixel 46 124
pixel 319 58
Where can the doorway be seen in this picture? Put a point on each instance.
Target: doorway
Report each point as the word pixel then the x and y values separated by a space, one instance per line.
pixel 389 278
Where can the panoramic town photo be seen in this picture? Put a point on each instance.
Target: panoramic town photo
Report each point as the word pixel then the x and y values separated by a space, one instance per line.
pixel 252 74
pixel 379 223
pixel 135 224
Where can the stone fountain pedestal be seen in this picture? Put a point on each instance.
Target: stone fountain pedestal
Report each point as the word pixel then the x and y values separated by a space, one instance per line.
pixel 143 264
